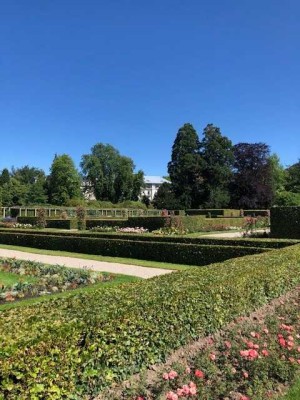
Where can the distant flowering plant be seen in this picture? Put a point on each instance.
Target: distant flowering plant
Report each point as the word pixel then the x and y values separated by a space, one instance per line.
pixel 132 230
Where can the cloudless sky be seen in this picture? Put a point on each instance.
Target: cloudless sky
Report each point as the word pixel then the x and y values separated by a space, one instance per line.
pixel 131 72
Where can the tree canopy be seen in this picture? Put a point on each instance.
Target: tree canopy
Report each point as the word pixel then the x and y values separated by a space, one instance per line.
pixel 252 185
pixel 110 175
pixel 216 152
pixel 64 181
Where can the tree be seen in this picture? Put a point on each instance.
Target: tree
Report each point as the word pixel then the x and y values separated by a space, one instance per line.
pixel 165 198
pixel 252 185
pixel 293 178
pixel 110 175
pixel 216 151
pixel 185 167
pixel 34 180
pixel 4 177
pixel 64 181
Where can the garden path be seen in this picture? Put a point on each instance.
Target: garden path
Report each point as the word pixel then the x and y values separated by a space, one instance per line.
pixel 115 268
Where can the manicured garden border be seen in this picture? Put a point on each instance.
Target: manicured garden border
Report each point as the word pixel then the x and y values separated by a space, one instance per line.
pixel 189 254
pixel 78 345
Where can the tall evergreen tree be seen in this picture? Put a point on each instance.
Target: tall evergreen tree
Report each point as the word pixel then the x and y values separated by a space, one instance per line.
pixel 64 180
pixel 185 167
pixel 217 154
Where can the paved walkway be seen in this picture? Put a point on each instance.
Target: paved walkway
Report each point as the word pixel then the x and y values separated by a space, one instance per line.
pixel 116 268
pixel 230 234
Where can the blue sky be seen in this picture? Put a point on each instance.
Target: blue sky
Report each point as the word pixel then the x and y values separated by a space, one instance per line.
pixel 131 72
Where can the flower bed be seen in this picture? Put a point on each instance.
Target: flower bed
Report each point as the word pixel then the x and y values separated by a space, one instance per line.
pixel 252 359
pixel 50 279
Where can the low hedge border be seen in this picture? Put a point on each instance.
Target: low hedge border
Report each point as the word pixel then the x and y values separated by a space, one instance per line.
pixel 285 222
pixel 244 242
pixel 191 223
pixel 73 347
pixel 180 253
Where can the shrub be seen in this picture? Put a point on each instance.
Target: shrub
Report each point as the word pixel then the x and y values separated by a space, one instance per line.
pixel 81 217
pixel 285 222
pixel 82 343
pixel 41 218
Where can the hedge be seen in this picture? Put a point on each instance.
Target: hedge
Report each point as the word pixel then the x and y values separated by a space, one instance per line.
pixel 256 213
pixel 51 223
pixel 285 222
pixel 178 253
pixel 212 213
pixel 75 346
pixel 245 242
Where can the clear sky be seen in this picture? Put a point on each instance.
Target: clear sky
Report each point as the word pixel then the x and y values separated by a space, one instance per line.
pixel 131 72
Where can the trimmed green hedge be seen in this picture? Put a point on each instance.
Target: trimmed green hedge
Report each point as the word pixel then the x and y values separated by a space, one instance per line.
pixel 51 223
pixel 212 213
pixel 285 222
pixel 74 346
pixel 245 242
pixel 256 213
pixel 178 253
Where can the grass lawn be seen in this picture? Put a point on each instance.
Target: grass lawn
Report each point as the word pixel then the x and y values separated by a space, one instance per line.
pixel 9 279
pixel 129 261
pixel 294 392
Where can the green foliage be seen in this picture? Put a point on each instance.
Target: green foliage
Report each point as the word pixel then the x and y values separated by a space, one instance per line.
pixel 165 198
pixel 41 218
pixel 81 217
pixel 285 199
pixel 253 185
pixel 48 279
pixel 64 181
pixel 82 343
pixel 185 167
pixel 109 175
pixel 190 254
pixel 216 152
pixel 293 178
pixel 285 222
pixel 248 242
pixel 211 213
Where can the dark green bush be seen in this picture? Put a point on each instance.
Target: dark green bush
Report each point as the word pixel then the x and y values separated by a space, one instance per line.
pixel 285 222
pixel 74 346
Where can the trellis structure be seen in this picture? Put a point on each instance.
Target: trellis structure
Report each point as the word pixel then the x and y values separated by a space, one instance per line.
pixel 70 212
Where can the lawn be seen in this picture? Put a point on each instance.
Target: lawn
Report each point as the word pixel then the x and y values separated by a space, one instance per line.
pixel 9 279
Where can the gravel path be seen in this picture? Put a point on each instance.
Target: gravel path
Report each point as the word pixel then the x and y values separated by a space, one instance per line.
pixel 230 234
pixel 116 268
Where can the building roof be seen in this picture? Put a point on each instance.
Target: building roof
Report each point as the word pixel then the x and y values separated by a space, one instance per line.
pixel 154 179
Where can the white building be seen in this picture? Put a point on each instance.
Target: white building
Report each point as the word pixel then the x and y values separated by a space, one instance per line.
pixel 152 183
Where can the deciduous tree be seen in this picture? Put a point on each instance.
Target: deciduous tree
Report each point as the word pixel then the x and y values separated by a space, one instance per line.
pixel 252 185
pixel 64 180
pixel 110 175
